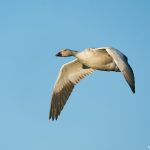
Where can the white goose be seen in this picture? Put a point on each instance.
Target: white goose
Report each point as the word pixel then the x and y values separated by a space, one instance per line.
pixel 105 59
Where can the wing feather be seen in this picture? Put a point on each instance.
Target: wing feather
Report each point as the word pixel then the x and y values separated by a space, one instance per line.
pixel 122 63
pixel 70 74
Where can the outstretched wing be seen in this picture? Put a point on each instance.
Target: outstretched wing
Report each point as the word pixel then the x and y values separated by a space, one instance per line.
pixel 70 74
pixel 122 63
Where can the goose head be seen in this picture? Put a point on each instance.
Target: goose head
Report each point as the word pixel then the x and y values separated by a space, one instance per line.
pixel 66 53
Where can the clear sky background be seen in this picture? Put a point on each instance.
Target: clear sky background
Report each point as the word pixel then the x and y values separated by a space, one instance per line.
pixel 102 113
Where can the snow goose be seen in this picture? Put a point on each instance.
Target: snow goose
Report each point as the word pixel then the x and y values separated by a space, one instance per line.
pixel 105 59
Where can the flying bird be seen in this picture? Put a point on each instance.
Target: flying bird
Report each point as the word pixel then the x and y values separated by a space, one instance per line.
pixel 87 61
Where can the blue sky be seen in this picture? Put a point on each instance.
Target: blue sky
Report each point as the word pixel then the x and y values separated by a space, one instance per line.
pixel 102 113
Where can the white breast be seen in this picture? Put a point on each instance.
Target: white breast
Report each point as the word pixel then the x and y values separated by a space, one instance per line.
pixel 95 59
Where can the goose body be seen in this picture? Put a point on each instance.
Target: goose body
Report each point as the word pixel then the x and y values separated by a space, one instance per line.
pixel 98 59
pixel 88 60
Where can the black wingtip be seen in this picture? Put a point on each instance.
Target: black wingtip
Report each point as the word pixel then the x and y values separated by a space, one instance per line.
pixel 133 90
pixel 132 86
pixel 53 117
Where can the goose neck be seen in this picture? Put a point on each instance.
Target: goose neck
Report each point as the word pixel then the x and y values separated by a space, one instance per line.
pixel 74 53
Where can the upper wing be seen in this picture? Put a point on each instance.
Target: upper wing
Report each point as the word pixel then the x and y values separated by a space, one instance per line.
pixel 122 63
pixel 70 74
